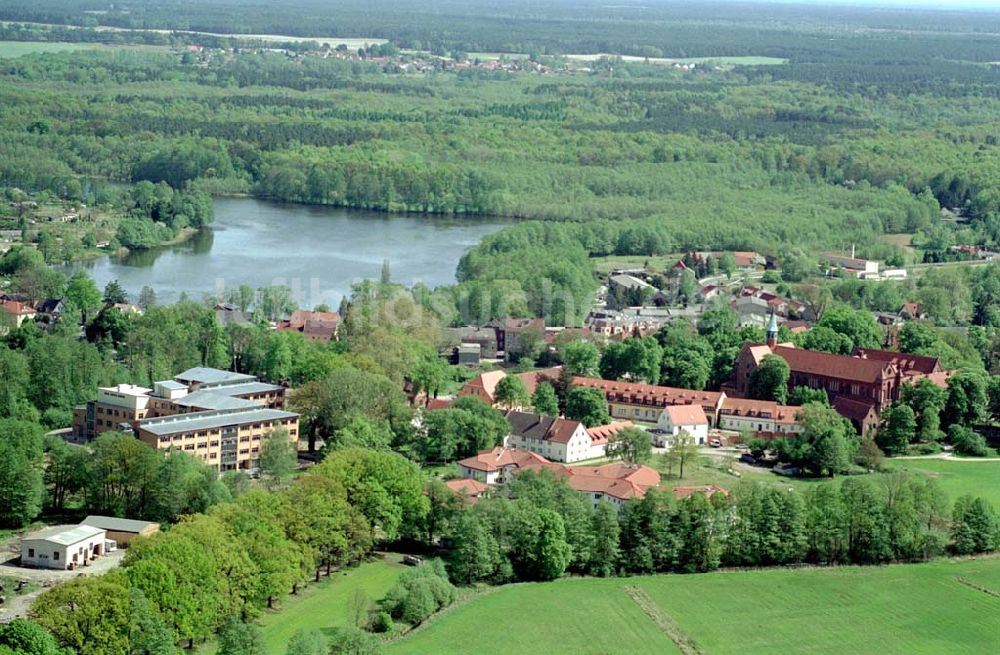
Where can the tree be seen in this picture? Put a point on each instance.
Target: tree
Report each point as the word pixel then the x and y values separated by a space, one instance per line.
pixel 805 395
pixel 974 528
pixel 897 430
pixel 769 381
pixel 967 401
pixel 917 337
pixel 581 358
pixel 308 641
pixel 544 401
pixel 279 459
pixel 82 292
pixel 24 637
pixel 238 638
pixel 587 405
pixel 727 264
pixel 637 359
pixel 354 641
pixel 869 455
pixel 967 442
pixel 551 554
pixel 823 445
pixel 360 431
pixel 90 615
pixel 926 399
pixel 444 505
pixel 22 488
pixel 856 324
pixel 825 339
pixel 630 444
pixel 148 634
pixel 147 298
pixel 114 294
pixel 683 449
pixel 511 392
pixel 605 549
pixel 475 555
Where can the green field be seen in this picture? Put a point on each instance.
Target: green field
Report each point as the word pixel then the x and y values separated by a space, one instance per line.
pixel 959 478
pixel 326 605
pixel 19 48
pixel 909 609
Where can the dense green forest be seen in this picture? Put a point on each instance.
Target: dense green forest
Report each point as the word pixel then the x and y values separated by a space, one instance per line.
pixel 877 120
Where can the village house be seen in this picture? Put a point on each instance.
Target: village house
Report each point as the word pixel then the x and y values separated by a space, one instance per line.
pixel 761 418
pixel 315 326
pixel 63 548
pixel 859 268
pixel 616 483
pixel 122 531
pixel 499 465
pixel 484 385
pixel 675 419
pixel 468 489
pixel 556 439
pixel 485 337
pixel 17 313
pixel 645 402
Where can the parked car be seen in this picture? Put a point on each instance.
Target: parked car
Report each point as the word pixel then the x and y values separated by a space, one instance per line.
pixel 412 560
pixel 747 458
pixel 715 443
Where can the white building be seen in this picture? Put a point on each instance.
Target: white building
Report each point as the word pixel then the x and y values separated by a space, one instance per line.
pixel 63 548
pixel 675 419
pixel 556 439
pixel 763 417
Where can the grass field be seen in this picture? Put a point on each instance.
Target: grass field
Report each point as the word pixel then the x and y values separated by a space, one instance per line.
pixel 896 609
pixel 959 478
pixel 19 48
pixel 326 605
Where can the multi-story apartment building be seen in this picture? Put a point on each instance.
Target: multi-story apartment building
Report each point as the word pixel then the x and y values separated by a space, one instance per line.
pixel 228 439
pixel 217 415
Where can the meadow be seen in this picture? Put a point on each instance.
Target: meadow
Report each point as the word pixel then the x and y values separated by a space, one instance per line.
pixel 325 605
pixel 958 478
pixel 921 608
pixel 21 48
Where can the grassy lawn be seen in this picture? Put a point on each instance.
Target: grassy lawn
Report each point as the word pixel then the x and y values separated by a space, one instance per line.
pixel 326 605
pixel 959 478
pixel 567 616
pixel 657 263
pixel 908 609
pixel 18 48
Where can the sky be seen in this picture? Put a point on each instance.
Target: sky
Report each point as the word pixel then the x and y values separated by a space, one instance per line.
pixel 937 4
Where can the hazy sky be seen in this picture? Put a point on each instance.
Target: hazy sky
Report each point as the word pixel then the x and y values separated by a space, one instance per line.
pixel 941 4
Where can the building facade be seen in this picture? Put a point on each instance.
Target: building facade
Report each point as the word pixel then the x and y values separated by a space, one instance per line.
pixel 645 402
pixel 63 548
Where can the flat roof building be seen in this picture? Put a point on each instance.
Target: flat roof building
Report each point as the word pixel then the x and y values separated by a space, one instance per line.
pixel 62 547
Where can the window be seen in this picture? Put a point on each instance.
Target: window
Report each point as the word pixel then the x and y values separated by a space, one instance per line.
pixel 31 552
pixel 55 555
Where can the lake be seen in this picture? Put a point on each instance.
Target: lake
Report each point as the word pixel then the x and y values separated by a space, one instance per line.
pixel 317 251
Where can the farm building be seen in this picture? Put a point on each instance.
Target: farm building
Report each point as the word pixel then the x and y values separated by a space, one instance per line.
pixel 122 531
pixel 63 547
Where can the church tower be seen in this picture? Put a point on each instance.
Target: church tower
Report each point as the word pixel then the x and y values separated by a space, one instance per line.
pixel 772 330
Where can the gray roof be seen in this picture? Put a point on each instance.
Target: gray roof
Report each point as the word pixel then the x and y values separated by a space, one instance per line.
pixel 170 384
pixel 65 536
pixel 213 400
pixel 211 420
pixel 116 524
pixel 630 282
pixel 240 388
pixel 205 375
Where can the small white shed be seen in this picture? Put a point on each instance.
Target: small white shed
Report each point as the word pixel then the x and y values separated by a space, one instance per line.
pixel 62 547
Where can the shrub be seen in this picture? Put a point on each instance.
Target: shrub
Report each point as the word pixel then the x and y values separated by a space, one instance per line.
pixel 382 622
pixel 420 592
pixel 967 442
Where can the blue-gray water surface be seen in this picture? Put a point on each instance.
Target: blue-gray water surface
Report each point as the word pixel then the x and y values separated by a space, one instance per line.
pixel 317 251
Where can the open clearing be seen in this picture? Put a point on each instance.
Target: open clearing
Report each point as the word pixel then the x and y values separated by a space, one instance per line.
pixel 917 608
pixel 958 478
pixel 19 48
pixel 325 605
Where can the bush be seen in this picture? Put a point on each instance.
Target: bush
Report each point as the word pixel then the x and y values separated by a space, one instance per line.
pixel 771 277
pixel 54 418
pixel 967 442
pixel 382 623
pixel 420 592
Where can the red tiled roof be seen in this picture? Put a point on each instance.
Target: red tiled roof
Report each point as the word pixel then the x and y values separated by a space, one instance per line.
pixel 438 403
pixel 531 379
pixel 499 457
pixel 686 415
pixel 650 394
pixel 542 428
pixel 622 481
pixel 852 409
pixel 748 407
pixel 467 487
pixel 16 308
pixel 906 362
pixel 601 433
pixel 844 367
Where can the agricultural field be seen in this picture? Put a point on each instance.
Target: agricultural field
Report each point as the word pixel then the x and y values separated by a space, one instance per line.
pixel 19 48
pixel 958 478
pixel 895 609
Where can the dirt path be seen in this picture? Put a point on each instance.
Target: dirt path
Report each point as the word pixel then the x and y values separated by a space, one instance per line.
pixel 664 622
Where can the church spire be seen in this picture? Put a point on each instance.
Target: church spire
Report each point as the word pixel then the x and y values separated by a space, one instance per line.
pixel 772 330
